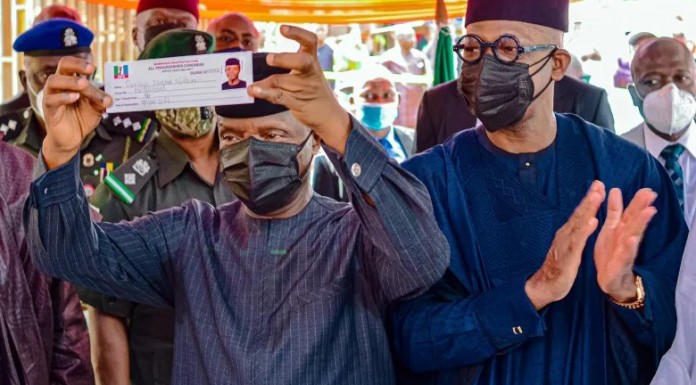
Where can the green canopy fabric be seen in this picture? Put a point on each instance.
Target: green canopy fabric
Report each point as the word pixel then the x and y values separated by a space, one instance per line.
pixel 444 58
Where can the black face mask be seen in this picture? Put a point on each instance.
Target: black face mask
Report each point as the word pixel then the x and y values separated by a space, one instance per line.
pixel 265 176
pixel 152 32
pixel 499 94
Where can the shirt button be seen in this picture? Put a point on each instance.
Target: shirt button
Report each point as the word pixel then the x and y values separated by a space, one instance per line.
pixel 356 170
pixel 517 330
pixel 46 191
pixel 527 164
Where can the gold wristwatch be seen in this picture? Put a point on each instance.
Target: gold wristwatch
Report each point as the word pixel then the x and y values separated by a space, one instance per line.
pixel 640 300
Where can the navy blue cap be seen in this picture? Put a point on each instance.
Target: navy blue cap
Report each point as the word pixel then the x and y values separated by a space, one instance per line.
pixel 54 37
pixel 547 13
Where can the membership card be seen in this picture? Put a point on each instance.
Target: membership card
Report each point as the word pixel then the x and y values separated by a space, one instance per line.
pixel 179 82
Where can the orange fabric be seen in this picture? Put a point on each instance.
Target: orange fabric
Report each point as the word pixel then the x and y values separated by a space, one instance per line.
pixel 319 11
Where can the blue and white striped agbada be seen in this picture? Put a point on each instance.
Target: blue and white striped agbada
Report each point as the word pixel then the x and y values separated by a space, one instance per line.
pixel 293 301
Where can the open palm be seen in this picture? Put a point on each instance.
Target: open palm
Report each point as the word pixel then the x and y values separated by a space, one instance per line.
pixel 618 242
pixel 305 91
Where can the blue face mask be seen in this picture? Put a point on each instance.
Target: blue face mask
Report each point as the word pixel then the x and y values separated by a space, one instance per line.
pixel 377 117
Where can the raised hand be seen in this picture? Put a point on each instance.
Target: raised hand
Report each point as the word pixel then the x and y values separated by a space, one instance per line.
pixel 618 241
pixel 305 91
pixel 553 281
pixel 72 110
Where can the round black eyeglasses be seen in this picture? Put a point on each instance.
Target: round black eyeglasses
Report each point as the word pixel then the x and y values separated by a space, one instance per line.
pixel 507 49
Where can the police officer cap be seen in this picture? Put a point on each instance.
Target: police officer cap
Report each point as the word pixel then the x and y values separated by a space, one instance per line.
pixel 260 107
pixel 54 37
pixel 178 42
pixel 547 13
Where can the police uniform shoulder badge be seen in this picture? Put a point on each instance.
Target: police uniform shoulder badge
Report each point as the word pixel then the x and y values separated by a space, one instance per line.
pixel 129 179
pixel 140 126
pixel 12 124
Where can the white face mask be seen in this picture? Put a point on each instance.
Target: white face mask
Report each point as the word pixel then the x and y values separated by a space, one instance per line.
pixel 38 97
pixel 669 109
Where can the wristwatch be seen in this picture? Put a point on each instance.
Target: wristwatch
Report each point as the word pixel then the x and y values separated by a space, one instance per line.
pixel 640 300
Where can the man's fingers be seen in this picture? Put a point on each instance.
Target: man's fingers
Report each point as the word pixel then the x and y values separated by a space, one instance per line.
pixel 584 221
pixel 579 235
pixel 290 83
pixel 60 99
pixel 614 209
pixel 97 97
pixel 644 198
pixel 590 204
pixel 639 224
pixel 300 61
pixel 307 40
pixel 274 95
pixel 65 83
pixel 66 88
pixel 70 65
pixel 626 251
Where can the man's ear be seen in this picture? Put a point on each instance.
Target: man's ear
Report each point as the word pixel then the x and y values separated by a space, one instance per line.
pixel 316 143
pixel 23 79
pixel 134 36
pixel 561 62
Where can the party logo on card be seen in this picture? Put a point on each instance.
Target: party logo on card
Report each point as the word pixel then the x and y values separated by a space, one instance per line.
pixel 121 72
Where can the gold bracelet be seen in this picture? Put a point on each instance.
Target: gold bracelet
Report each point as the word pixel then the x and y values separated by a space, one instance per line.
pixel 640 292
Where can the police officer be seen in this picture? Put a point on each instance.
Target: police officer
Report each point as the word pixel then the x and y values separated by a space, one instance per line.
pixel 116 138
pixel 178 165
pixel 21 100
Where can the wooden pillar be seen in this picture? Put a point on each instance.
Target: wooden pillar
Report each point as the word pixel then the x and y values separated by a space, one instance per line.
pixel 6 55
pixel 92 22
pixel 102 47
pixel 110 33
pixel 128 24
pixel 119 33
pixel 81 8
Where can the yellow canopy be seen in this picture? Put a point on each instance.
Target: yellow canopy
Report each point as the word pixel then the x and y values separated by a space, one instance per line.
pixel 319 11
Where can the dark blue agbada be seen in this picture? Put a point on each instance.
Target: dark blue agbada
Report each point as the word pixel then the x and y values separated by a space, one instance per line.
pixel 500 213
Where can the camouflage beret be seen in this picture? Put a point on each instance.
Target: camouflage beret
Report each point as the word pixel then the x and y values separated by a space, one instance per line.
pixel 178 42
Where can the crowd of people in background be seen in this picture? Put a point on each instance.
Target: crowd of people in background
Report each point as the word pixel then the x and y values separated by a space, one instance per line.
pixel 355 224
